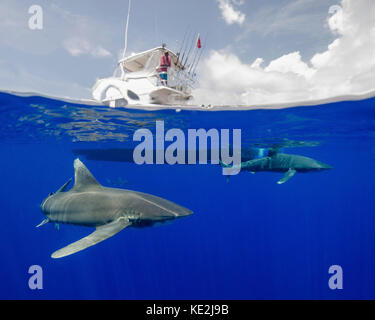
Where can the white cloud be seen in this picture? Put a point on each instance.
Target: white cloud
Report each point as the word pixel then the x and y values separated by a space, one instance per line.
pixel 226 80
pixel 346 67
pixel 85 35
pixel 290 63
pixel 229 14
pixel 257 63
pixel 320 60
pixel 336 22
pixel 77 46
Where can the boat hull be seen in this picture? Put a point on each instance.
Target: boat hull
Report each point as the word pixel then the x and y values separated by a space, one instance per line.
pixel 116 93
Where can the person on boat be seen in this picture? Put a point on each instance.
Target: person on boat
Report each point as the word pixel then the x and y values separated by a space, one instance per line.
pixel 165 63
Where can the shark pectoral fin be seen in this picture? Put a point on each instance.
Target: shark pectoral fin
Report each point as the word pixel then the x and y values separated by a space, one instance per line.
pixel 101 233
pixel 42 223
pixel 290 173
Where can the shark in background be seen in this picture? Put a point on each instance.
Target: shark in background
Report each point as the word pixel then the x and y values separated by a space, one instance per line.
pixel 288 164
pixel 109 210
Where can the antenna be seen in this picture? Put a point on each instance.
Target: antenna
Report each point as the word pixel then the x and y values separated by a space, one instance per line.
pixel 126 29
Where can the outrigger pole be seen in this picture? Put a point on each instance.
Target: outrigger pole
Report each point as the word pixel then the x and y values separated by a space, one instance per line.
pixel 195 56
pixel 199 57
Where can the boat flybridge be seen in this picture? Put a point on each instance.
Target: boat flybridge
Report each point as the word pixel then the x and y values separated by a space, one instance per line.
pixel 136 82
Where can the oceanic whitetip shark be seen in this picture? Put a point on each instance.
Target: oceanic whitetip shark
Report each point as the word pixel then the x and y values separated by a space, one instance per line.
pixel 289 164
pixel 109 210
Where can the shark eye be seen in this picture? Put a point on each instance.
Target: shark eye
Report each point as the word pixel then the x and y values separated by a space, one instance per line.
pixel 50 194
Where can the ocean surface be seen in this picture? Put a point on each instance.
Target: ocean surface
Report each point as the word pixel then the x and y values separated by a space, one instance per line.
pixel 248 238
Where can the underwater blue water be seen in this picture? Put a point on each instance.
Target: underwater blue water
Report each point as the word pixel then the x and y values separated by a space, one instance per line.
pixel 249 238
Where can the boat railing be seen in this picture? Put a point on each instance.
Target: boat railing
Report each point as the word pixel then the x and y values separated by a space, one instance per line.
pixel 180 80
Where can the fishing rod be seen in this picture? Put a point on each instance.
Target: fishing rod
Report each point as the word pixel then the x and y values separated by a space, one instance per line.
pixel 185 48
pixel 188 55
pixel 181 48
pixel 196 65
pixel 183 42
pixel 179 60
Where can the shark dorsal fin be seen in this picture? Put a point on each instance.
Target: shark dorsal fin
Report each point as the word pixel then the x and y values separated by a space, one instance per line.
pixel 273 151
pixel 84 180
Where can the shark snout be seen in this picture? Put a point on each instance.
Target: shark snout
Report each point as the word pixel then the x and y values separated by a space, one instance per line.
pixel 43 204
pixel 184 212
pixel 174 212
pixel 156 208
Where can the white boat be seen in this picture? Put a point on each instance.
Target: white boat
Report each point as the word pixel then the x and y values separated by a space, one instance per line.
pixel 136 82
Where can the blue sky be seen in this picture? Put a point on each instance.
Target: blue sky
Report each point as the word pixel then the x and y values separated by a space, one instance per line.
pixel 278 49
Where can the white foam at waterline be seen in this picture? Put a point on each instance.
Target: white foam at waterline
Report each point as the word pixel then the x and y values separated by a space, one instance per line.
pixel 148 107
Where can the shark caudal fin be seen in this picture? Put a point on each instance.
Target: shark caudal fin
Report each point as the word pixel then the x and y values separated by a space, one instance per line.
pixel 230 170
pixel 100 234
pixel 224 165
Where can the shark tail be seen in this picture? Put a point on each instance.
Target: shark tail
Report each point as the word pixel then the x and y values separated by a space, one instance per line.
pixel 224 165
